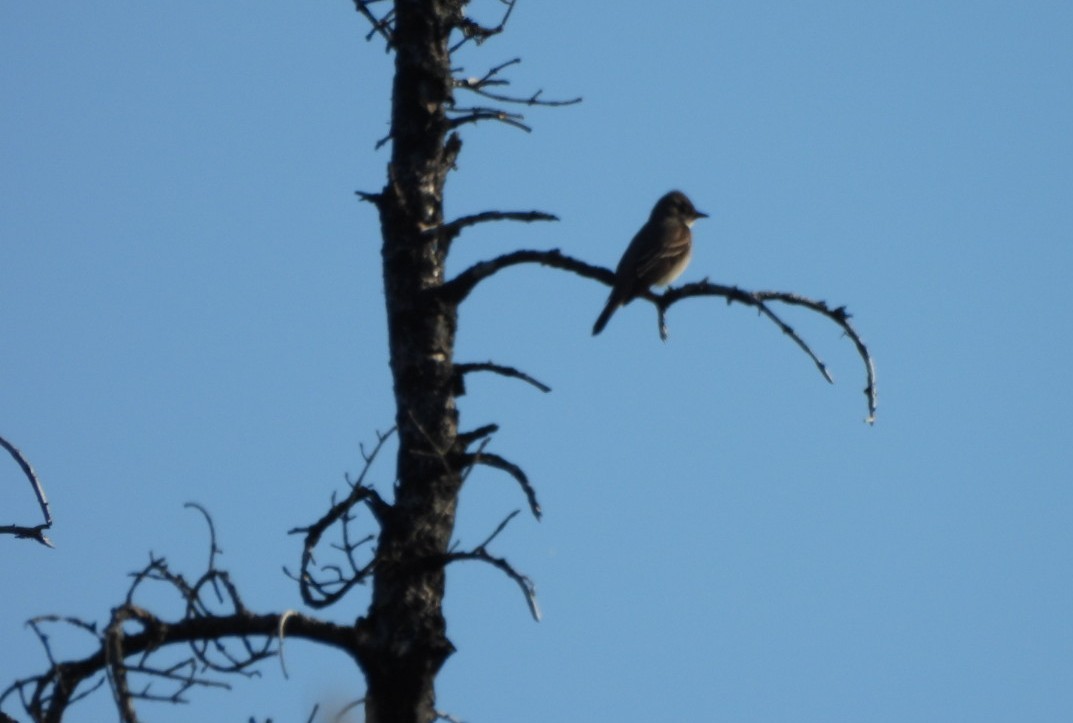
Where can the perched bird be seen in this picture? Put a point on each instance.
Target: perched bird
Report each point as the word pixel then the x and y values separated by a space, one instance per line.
pixel 657 255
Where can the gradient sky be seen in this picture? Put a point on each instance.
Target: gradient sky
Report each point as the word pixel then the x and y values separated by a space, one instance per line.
pixel 192 311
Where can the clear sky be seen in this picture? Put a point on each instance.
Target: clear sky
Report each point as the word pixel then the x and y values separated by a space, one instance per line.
pixel 192 311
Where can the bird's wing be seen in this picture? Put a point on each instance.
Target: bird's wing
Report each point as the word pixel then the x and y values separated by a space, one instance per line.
pixel 669 246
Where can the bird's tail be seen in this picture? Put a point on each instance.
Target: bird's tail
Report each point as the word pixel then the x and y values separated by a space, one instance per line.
pixel 605 315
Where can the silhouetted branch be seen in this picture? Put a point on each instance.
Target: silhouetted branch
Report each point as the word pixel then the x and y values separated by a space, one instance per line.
pixel 36 532
pixel 490 78
pixel 758 300
pixel 333 583
pixel 462 369
pixel 346 709
pixel 465 439
pixel 452 229
pixel 533 99
pixel 497 462
pixel 214 549
pixel 662 303
pixel 381 25
pixel 499 528
pixel 478 33
pixel 374 198
pixel 480 87
pixel 474 115
pixel 128 645
pixel 46 697
pixel 458 288
pixel 481 554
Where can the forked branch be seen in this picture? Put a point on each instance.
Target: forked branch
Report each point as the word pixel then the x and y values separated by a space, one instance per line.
pixel 383 25
pixel 481 554
pixel 35 532
pixel 480 434
pixel 481 113
pixel 330 583
pixel 492 78
pixel 457 289
pixel 472 30
pixel 145 658
pixel 760 300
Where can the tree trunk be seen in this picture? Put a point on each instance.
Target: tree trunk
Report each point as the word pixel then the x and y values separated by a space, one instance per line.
pixel 403 641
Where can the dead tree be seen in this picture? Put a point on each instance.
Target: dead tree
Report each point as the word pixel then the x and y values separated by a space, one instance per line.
pixel 401 545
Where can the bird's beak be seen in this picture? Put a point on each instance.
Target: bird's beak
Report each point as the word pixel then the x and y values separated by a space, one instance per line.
pixel 701 214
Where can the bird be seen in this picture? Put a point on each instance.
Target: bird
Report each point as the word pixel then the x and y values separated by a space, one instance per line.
pixel 656 256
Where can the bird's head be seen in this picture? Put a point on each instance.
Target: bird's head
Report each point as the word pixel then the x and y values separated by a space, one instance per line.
pixel 677 205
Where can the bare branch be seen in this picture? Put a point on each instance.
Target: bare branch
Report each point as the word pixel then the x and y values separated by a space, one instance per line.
pixel 481 554
pixel 214 549
pixel 453 228
pixel 374 198
pixel 476 114
pixel 320 592
pixel 533 99
pixel 36 532
pixel 133 636
pixel 494 460
pixel 524 583
pixel 490 78
pixel 47 696
pixel 758 300
pixel 467 470
pixel 462 369
pixel 458 288
pixel 465 439
pixel 499 528
pixel 382 25
pixel 480 87
pixel 662 304
pixel 347 708
pixel 478 33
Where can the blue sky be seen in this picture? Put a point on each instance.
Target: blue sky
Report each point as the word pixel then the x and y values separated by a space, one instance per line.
pixel 192 310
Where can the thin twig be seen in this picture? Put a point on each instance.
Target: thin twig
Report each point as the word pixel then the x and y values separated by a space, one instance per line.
pixel 480 87
pixel 499 528
pixel 326 591
pixel 380 25
pixel 479 33
pixel 475 115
